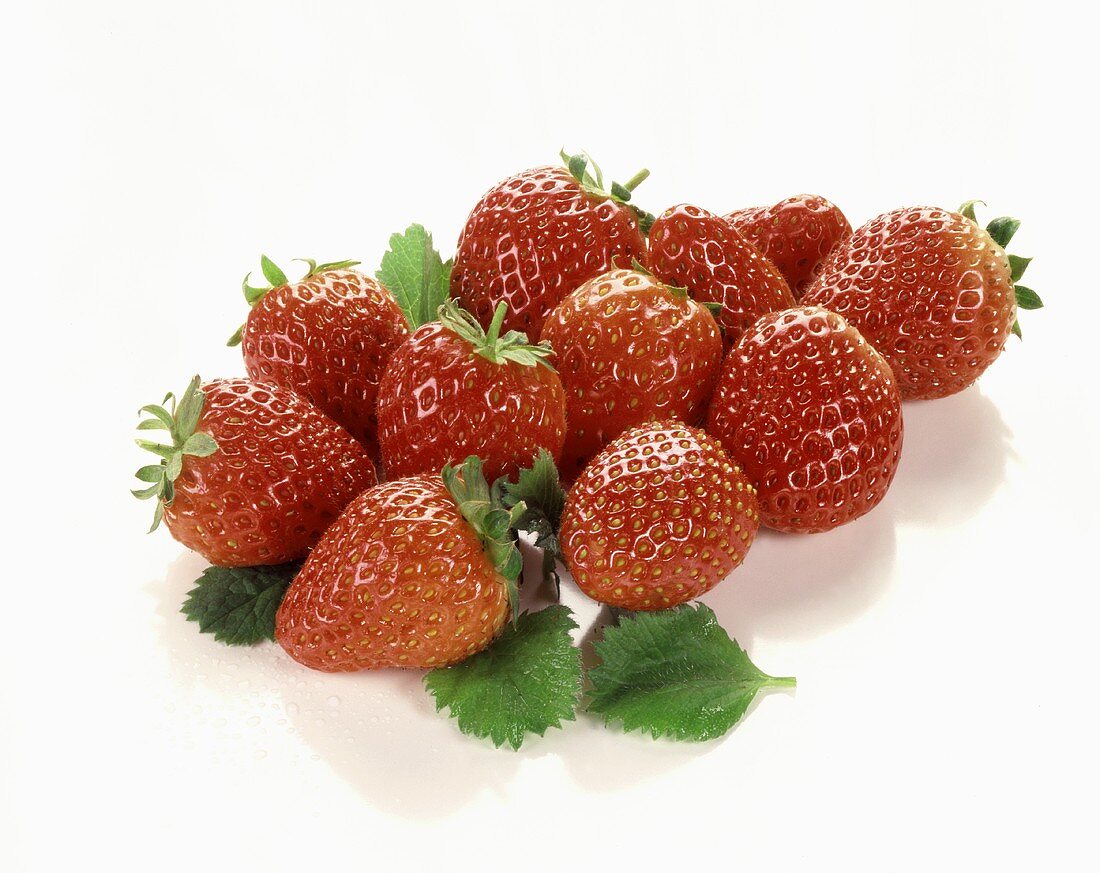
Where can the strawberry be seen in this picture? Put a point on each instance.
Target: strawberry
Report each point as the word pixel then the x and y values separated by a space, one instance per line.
pixel 327 337
pixel 454 390
pixel 418 572
pixel 932 291
pixel 630 349
pixel 539 235
pixel 691 247
pixel 659 517
pixel 795 234
pixel 812 413
pixel 254 473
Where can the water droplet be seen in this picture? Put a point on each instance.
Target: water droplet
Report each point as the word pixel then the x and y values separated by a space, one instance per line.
pixel 292 709
pixel 333 701
pixel 254 721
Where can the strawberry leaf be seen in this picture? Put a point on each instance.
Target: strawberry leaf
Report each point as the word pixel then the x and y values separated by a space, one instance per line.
pixel 525 682
pixel 539 490
pixel 675 673
pixel 238 604
pixel 415 274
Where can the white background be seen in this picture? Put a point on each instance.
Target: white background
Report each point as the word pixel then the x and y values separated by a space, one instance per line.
pixel 945 645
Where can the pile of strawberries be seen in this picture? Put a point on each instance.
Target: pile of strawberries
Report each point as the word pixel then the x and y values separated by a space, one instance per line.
pixel 688 377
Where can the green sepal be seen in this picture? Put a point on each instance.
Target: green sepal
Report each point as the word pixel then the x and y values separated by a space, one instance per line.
pixel 494 522
pixel 538 490
pixel 1017 265
pixel 592 183
pixel 1027 299
pixel 967 209
pixel 276 278
pixel 513 346
pixel 180 421
pixel 1003 229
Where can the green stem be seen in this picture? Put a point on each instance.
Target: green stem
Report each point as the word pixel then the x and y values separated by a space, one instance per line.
pixel 781 682
pixel 636 179
pixel 493 333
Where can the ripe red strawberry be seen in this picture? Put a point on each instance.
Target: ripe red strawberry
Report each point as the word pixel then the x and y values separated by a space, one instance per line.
pixel 327 337
pixel 539 235
pixel 691 247
pixel 795 234
pixel 454 390
pixel 417 572
pixel 630 349
pixel 659 517
pixel 932 291
pixel 812 413
pixel 254 473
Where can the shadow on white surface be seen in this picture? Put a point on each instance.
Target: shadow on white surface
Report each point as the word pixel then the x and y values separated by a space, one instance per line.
pixel 956 455
pixel 378 731
pixel 791 586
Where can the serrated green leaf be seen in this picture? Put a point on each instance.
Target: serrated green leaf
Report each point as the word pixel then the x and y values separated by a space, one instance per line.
pixel 1003 229
pixel 1027 299
pixel 271 272
pixel 675 673
pixel 415 274
pixel 201 445
pixel 527 681
pixel 238 604
pixel 538 488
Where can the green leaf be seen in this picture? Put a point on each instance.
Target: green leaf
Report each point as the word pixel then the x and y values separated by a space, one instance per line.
pixel 152 424
pixel 538 489
pixel 238 604
pixel 201 445
pixel 527 681
pixel 235 340
pixel 1016 329
pixel 1018 265
pixel 675 673
pixel 174 467
pixel 157 448
pixel 489 344
pixel 160 414
pixel 271 272
pixel 151 473
pixel 158 516
pixel 1027 299
pixel 415 274
pixel 189 410
pixel 1003 229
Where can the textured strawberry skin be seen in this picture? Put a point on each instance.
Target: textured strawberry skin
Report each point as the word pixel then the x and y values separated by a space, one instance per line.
pixel 812 413
pixel 629 350
pixel 929 289
pixel 534 238
pixel 399 580
pixel 283 472
pixel 658 518
pixel 328 338
pixel 704 253
pixel 439 402
pixel 795 234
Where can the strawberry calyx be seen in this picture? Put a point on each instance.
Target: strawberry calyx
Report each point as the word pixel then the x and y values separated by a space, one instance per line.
pixel 276 278
pixel 494 522
pixel 539 492
pixel 1002 230
pixel 592 184
pixel 180 421
pixel 513 346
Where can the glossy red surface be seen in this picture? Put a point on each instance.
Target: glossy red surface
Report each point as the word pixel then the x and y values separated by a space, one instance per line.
pixel 704 253
pixel 328 338
pixel 400 580
pixel 533 239
pixel 282 473
pixel 629 350
pixel 795 234
pixel 812 413
pixel 659 517
pixel 440 402
pixel 930 290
